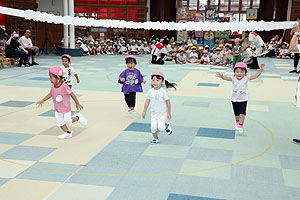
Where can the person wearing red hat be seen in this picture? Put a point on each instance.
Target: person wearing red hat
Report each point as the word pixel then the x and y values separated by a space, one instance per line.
pixel 240 92
pixel 69 71
pixel 160 105
pixel 60 93
pixel 131 80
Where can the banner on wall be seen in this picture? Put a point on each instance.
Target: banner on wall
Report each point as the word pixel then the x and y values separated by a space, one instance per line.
pixel 189 26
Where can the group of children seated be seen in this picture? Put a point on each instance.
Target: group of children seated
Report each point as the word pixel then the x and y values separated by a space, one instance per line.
pixel 221 55
pixel 113 46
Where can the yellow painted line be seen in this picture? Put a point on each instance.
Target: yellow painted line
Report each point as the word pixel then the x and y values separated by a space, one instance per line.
pixel 160 174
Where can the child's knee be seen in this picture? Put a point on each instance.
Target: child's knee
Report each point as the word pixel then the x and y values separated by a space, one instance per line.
pixel 68 121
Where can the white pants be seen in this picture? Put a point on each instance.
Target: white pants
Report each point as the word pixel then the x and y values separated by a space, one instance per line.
pixel 63 118
pixel 158 121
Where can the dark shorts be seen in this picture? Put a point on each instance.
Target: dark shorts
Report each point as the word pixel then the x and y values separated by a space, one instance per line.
pixel 239 108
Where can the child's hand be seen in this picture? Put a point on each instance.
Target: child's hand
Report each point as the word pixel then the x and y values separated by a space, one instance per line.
pixel 78 106
pixel 122 79
pixel 262 67
pixel 218 74
pixel 169 116
pixel 78 81
pixel 39 103
pixel 143 115
pixel 144 81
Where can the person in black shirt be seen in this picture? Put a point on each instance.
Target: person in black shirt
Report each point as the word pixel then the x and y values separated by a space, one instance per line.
pixel 12 49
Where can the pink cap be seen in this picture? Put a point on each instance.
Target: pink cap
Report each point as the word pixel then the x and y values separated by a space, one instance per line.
pixel 56 71
pixel 205 51
pixel 227 45
pixel 237 40
pixel 68 56
pixel 131 56
pixel 218 49
pixel 161 40
pixel 240 65
pixel 158 73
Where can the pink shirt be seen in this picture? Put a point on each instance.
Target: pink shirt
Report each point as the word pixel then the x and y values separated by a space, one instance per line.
pixel 61 97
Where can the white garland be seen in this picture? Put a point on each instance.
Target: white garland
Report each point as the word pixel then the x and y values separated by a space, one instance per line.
pixel 189 26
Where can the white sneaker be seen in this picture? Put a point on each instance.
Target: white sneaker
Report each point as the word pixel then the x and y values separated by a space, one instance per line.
pixel 168 128
pixel 82 120
pixel 132 112
pixel 65 135
pixel 236 127
pixel 154 141
pixel 240 129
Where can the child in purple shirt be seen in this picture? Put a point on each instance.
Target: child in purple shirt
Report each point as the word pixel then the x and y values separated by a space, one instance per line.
pixel 132 79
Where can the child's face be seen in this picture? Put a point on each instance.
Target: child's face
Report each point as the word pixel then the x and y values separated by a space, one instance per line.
pixel 65 62
pixel 181 53
pixel 205 55
pixel 283 46
pixel 173 46
pixel 156 82
pixel 194 50
pixel 239 73
pixel 131 66
pixel 218 52
pixel 201 50
pixel 214 51
pixel 53 79
pixel 227 48
pixel 237 44
pixel 91 45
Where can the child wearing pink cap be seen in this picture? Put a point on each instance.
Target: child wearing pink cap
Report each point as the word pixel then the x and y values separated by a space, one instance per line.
pixel 240 92
pixel 205 58
pixel 131 79
pixel 217 57
pixel 69 71
pixel 237 51
pixel 60 93
pixel 160 105
pixel 227 55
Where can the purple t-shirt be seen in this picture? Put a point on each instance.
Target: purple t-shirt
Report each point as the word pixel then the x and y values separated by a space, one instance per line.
pixel 133 80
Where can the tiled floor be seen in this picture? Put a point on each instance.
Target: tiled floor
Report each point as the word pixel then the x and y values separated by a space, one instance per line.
pixel 204 158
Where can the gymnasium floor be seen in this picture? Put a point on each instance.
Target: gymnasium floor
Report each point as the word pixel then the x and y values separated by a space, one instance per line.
pixel 112 159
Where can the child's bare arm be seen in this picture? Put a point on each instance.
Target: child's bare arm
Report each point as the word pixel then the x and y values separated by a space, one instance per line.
pixel 76 76
pixel 146 105
pixel 39 103
pixel 226 78
pixel 169 108
pixel 262 67
pixel 78 106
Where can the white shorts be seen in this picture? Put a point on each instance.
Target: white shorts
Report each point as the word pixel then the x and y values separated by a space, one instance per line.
pixel 158 121
pixel 63 118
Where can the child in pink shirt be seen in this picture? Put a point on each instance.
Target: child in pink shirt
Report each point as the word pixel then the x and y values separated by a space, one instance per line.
pixel 60 93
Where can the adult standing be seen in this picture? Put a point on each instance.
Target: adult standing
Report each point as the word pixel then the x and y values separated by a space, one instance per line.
pixel 26 43
pixel 12 49
pixel 296 53
pixel 258 48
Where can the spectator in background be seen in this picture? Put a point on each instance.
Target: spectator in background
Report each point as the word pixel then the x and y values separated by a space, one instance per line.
pixel 192 40
pixel 12 51
pixel 88 37
pixel 26 43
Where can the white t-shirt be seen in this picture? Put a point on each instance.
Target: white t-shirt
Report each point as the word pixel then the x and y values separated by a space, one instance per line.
pixel 181 58
pixel 193 57
pixel 158 100
pixel 240 90
pixel 205 59
pixel 84 47
pixel 218 58
pixel 68 74
pixel 133 48
pixel 284 51
pixel 25 42
pixel 146 48
pixel 123 49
